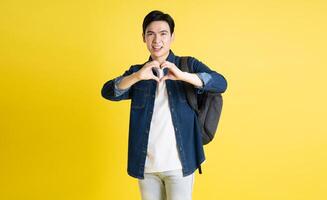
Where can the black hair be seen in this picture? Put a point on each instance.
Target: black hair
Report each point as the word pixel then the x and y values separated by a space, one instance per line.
pixel 157 15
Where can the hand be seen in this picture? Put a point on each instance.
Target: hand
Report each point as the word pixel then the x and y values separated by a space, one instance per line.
pixel 145 73
pixel 174 73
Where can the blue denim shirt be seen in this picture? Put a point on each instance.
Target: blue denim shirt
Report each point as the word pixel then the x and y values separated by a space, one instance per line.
pixel 186 125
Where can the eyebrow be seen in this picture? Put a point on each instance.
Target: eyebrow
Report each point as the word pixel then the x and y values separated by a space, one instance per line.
pixel 159 31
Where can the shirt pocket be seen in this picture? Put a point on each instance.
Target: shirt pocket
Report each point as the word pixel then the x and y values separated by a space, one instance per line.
pixel 138 97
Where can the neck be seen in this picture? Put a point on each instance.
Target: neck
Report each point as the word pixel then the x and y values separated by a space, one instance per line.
pixel 160 59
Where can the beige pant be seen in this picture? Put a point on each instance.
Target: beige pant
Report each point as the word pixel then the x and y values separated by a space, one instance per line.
pixel 168 185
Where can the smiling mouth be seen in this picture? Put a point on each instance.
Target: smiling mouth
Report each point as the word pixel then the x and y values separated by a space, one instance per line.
pixel 156 48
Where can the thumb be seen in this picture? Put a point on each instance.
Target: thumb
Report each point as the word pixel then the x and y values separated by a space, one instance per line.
pixel 155 78
pixel 164 78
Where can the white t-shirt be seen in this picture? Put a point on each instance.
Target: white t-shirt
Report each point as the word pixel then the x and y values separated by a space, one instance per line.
pixel 162 153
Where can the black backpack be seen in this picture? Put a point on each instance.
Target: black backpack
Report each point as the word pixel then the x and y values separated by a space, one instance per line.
pixel 207 106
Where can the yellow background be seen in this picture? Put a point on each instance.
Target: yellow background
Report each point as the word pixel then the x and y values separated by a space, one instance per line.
pixel 60 140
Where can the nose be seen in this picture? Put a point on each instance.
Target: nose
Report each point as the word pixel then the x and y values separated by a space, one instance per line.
pixel 156 39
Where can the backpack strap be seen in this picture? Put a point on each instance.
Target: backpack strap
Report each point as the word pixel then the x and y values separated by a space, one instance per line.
pixel 190 93
pixel 200 170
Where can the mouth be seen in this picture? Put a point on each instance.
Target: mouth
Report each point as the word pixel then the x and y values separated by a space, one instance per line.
pixel 157 48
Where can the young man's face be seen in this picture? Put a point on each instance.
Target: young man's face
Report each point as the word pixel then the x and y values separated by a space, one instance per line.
pixel 158 39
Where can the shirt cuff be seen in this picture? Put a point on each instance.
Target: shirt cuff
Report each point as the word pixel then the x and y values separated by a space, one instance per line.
pixel 118 91
pixel 205 78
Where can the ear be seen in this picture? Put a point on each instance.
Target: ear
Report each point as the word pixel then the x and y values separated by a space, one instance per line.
pixel 143 37
pixel 173 37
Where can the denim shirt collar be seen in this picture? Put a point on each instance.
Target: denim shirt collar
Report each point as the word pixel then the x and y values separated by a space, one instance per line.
pixel 170 58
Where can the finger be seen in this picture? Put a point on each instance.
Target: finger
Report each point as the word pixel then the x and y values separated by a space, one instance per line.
pixel 168 77
pixel 169 65
pixel 170 70
pixel 164 78
pixel 166 62
pixel 164 65
pixel 152 64
pixel 155 63
pixel 155 78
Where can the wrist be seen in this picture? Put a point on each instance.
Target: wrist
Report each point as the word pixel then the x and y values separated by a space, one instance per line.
pixel 136 76
pixel 184 76
pixel 193 79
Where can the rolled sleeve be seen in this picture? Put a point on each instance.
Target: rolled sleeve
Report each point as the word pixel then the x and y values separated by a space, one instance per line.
pixel 118 91
pixel 217 83
pixel 205 78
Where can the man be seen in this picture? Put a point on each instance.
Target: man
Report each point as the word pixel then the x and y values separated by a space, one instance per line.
pixel 165 145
